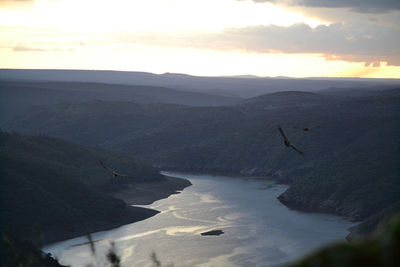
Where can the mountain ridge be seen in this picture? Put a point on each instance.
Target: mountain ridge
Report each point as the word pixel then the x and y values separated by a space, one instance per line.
pixel 224 86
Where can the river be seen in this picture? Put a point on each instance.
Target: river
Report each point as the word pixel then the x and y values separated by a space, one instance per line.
pixel 259 230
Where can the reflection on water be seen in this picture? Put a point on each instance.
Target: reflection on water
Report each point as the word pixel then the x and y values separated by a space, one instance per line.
pixel 259 230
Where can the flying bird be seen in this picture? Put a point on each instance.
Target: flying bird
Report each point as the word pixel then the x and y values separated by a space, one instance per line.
pixel 287 142
pixel 114 173
pixel 306 129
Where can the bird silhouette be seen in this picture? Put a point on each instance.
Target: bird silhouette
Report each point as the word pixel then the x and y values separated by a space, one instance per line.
pixel 287 142
pixel 114 173
pixel 306 129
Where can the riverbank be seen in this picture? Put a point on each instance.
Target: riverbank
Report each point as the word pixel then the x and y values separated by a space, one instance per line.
pixel 138 194
pixel 148 192
pixel 231 175
pixel 130 215
pixel 290 200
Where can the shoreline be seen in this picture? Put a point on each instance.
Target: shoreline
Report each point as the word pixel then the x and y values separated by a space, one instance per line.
pixel 149 192
pixel 133 214
pixel 170 173
pixel 289 204
pixel 138 194
pixel 232 174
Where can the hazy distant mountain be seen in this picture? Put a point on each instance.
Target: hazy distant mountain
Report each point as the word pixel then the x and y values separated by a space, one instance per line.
pixel 100 122
pixel 357 92
pixel 17 96
pixel 226 86
pixel 285 99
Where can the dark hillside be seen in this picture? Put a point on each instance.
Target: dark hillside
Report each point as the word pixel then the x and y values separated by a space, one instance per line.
pixel 285 99
pixel 18 96
pixel 52 186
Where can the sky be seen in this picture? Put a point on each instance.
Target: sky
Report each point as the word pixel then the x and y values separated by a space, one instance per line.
pixel 295 38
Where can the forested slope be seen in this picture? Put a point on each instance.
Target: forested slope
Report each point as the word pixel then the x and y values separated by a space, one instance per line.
pixel 57 188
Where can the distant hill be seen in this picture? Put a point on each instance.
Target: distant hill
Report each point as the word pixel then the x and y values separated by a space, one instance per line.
pixel 17 96
pixel 100 122
pixel 285 99
pixel 342 170
pixel 56 188
pixel 243 87
pixel 357 92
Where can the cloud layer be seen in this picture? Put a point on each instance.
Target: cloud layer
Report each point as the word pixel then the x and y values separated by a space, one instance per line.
pixel 364 6
pixel 351 42
pixel 23 48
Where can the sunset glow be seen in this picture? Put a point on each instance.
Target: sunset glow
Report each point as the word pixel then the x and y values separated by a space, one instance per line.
pixel 225 37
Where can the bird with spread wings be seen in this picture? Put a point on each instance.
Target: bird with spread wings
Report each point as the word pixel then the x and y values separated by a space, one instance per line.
pixel 287 142
pixel 114 173
pixel 305 129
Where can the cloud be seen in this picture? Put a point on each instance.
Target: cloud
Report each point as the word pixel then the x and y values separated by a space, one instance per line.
pixel 351 42
pixel 16 4
pixel 363 6
pixel 14 1
pixel 368 43
pixel 23 48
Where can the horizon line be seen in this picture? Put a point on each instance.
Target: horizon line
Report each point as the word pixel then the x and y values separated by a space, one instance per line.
pixel 243 76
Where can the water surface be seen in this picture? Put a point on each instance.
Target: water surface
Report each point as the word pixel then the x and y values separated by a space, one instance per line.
pixel 259 230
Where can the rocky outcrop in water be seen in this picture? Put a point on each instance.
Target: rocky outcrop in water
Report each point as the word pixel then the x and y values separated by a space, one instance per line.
pixel 213 232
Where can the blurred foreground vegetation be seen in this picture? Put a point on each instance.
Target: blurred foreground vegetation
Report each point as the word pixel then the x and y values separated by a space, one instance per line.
pixel 382 249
